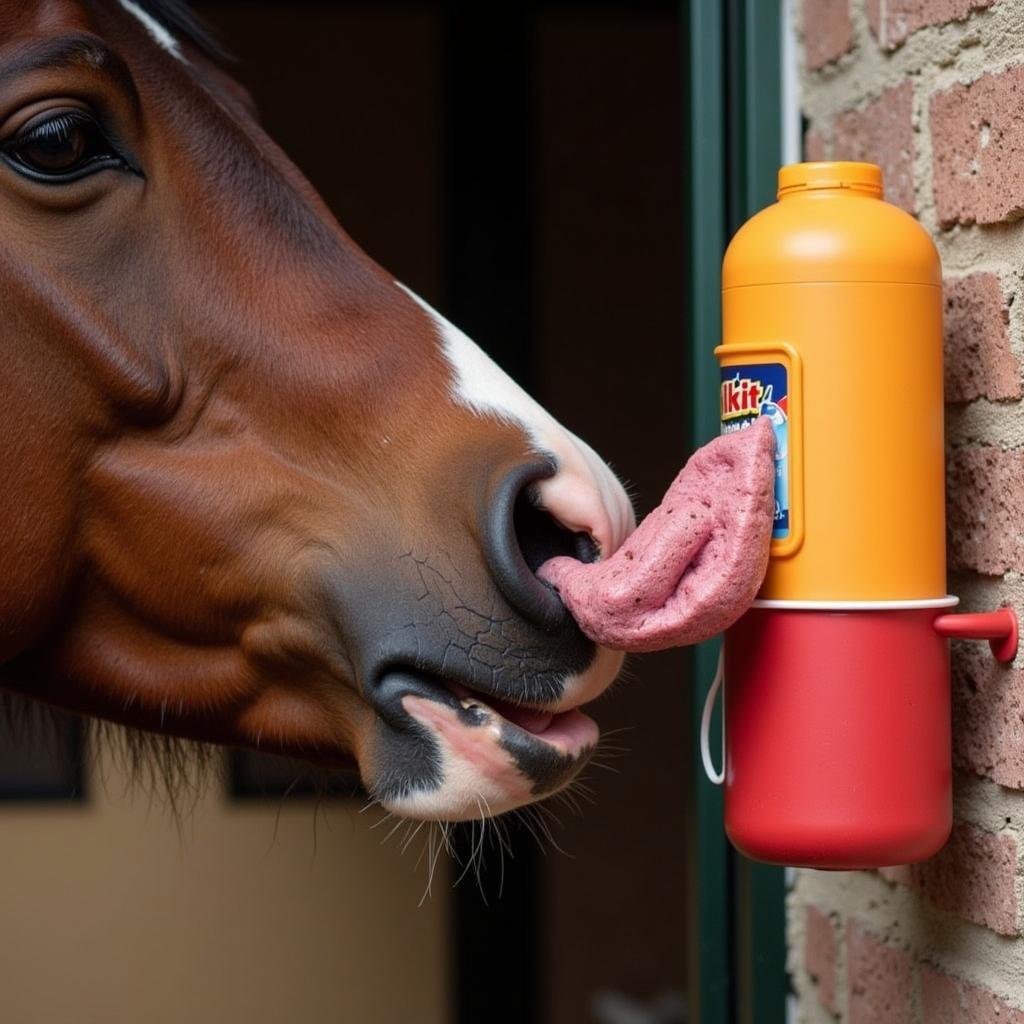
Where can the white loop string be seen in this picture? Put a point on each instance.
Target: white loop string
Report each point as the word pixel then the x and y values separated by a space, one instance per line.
pixel 716 777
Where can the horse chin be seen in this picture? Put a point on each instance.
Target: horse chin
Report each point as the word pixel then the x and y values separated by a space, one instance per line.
pixel 480 755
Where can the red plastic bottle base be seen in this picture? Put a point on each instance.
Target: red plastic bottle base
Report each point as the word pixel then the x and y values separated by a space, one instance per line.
pixel 838 748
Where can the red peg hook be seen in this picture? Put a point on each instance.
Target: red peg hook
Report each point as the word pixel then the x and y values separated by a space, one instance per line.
pixel 999 628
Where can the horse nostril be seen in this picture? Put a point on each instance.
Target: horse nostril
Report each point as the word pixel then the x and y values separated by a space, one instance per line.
pixel 521 537
pixel 542 537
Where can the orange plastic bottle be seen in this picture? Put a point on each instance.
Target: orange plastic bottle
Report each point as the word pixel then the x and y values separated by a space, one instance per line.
pixel 836 682
pixel 843 290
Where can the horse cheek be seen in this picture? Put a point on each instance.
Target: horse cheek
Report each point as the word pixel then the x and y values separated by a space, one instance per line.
pixel 37 521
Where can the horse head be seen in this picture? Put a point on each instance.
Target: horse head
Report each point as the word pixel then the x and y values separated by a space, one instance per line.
pixel 256 492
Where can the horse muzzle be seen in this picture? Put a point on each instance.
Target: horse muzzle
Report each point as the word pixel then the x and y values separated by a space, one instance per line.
pixel 447 751
pixel 479 679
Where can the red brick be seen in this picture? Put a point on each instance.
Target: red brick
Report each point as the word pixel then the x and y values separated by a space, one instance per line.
pixel 814 145
pixel 948 1000
pixel 883 133
pixel 979 363
pixel 988 715
pixel 985 509
pixel 878 979
pixel 974 877
pixel 941 1002
pixel 903 17
pixel 820 955
pixel 828 31
pixel 978 150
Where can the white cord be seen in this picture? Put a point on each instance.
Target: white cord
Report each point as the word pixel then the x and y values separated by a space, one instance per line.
pixel 716 777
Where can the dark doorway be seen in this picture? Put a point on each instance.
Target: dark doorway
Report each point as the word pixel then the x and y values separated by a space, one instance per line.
pixel 521 167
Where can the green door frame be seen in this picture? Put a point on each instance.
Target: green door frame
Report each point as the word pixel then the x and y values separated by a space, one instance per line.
pixel 733 50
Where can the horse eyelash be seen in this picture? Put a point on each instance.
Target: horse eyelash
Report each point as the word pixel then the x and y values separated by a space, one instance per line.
pixel 59 124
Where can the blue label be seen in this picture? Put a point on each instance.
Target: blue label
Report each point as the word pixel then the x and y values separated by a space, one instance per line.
pixel 761 389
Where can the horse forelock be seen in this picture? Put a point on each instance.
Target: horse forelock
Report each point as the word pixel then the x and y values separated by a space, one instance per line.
pixel 154 27
pixel 172 22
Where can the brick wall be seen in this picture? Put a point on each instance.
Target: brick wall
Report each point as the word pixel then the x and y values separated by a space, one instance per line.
pixel 933 90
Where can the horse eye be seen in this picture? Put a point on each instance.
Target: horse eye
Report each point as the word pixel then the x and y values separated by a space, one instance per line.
pixel 61 147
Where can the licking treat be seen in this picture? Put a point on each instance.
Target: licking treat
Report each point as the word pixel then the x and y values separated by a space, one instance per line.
pixel 695 563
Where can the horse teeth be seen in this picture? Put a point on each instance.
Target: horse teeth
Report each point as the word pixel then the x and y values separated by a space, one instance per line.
pixel 471 705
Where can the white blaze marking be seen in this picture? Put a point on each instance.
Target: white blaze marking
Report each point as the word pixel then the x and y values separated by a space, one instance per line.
pixel 483 386
pixel 153 27
pixel 584 495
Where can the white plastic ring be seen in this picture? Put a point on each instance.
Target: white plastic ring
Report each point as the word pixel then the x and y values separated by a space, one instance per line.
pixel 949 601
pixel 715 776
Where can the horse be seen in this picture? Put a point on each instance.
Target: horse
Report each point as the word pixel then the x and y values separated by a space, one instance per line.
pixel 257 493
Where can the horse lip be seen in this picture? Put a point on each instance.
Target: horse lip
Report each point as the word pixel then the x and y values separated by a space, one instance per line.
pixel 472 704
pixel 521 764
pixel 394 682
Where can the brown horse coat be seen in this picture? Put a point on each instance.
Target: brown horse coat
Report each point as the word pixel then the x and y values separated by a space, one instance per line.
pixel 255 492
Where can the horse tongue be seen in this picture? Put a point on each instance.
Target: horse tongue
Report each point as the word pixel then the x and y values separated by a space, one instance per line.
pixel 529 719
pixel 694 564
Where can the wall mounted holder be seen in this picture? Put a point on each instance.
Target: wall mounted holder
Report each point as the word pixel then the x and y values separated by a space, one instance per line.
pixel 837 715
